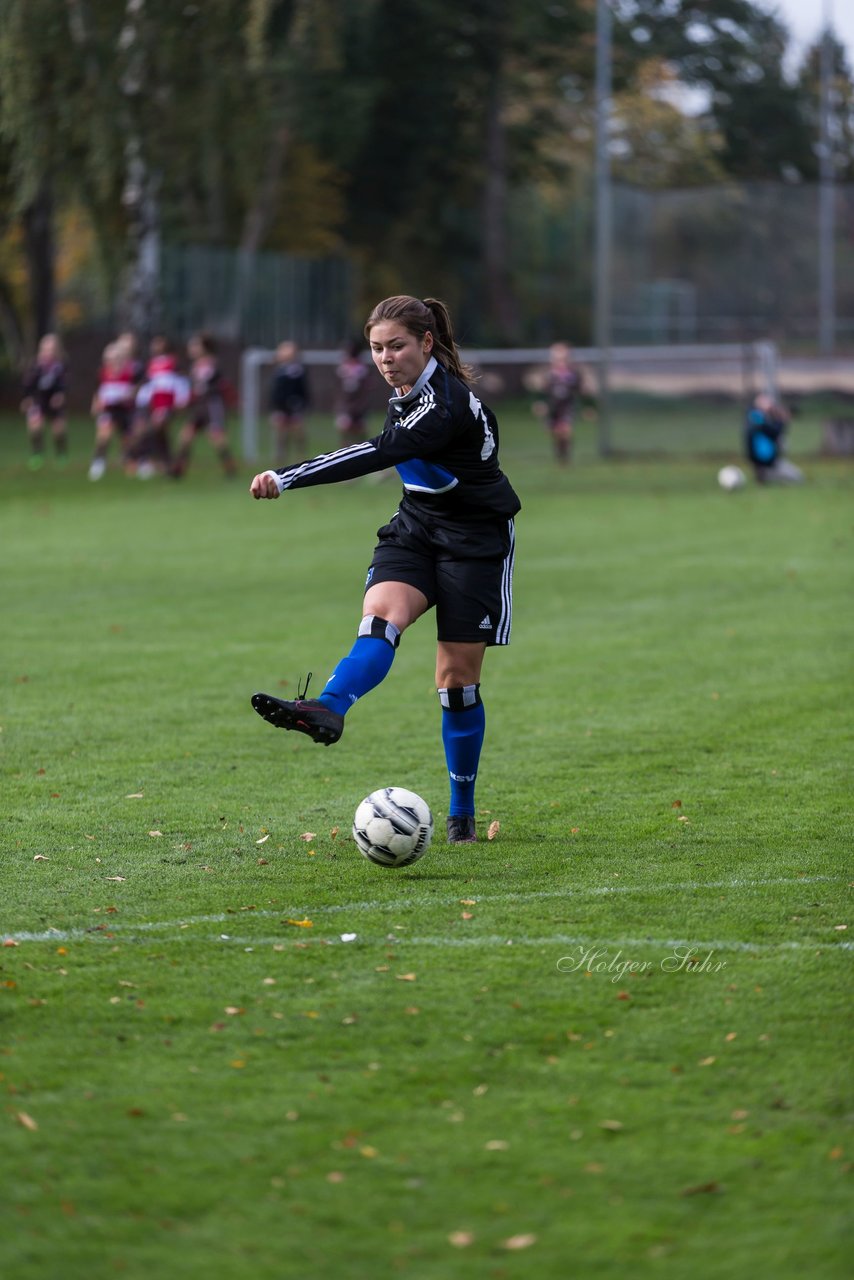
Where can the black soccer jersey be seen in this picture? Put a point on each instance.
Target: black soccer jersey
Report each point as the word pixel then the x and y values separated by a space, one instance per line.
pixel 444 444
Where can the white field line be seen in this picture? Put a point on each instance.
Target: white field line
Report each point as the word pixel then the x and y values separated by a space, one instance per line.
pixel 604 947
pixel 429 900
pixel 117 928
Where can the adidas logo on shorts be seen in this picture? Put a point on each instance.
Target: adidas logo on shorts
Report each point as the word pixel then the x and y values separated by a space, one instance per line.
pixel 486 625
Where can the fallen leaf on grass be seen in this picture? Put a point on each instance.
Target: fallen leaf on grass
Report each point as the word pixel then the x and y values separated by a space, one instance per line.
pixel 307 835
pixel 405 977
pixel 701 1189
pixel 466 915
pixel 493 830
pixel 40 857
pixel 135 795
pixel 263 862
pixel 27 1122
pixel 613 1126
pixel 301 924
pixel 468 902
pixel 461 1239
pixel 705 1062
pixel 233 1010
pixel 9 942
pixel 155 834
pixel 117 879
pixel 496 1144
pixel 519 1242
pixel 333 833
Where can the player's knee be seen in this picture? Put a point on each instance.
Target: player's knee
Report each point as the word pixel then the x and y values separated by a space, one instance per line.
pixel 379 629
pixel 459 697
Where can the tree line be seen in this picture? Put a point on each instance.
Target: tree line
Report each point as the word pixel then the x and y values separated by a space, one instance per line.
pixel 397 135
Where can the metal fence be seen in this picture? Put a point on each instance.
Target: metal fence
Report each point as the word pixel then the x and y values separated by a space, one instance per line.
pixel 260 299
pixel 731 263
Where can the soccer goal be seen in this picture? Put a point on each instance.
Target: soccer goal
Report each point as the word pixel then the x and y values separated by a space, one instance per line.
pixel 735 370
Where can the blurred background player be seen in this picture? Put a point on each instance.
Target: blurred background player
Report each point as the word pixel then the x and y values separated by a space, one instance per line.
pixel 289 401
pixel 112 405
pixel 351 405
pixel 764 430
pixel 563 388
pixel 44 401
pixel 162 393
pixel 207 406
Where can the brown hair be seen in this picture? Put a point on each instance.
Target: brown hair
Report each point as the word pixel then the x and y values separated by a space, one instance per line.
pixel 424 316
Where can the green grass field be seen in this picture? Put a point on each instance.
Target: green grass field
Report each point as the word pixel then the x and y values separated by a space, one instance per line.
pixel 611 1041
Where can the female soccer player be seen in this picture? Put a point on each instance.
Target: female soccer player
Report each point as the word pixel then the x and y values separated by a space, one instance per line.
pixel 207 407
pixel 449 545
pixel 44 401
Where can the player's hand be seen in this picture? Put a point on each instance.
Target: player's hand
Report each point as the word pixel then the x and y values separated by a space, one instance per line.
pixel 264 486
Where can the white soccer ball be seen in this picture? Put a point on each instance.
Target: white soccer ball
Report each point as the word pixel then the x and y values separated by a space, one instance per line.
pixel 731 477
pixel 393 827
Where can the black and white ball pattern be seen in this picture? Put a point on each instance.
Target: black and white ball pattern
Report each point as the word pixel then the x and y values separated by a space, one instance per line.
pixel 393 827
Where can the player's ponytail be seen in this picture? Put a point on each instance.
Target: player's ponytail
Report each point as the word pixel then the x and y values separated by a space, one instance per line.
pixel 421 317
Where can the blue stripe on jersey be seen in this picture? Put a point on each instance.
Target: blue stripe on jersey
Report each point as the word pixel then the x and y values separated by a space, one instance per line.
pixel 425 477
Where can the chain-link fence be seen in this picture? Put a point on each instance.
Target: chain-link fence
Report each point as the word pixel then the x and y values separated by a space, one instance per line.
pixel 732 263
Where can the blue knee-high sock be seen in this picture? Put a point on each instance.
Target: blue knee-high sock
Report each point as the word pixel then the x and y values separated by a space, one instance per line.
pixel 463 725
pixel 367 663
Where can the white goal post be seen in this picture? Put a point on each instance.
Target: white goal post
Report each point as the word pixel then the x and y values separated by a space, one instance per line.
pixel 733 367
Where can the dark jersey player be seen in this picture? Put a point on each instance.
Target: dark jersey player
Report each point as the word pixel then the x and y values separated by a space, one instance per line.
pixel 450 545
pixel 44 401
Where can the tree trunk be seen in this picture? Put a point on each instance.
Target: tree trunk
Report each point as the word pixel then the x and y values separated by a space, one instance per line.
pixel 39 247
pixel 140 305
pixel 11 329
pixel 500 303
pixel 256 224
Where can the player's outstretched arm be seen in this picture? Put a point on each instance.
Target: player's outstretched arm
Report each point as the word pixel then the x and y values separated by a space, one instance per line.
pixel 265 485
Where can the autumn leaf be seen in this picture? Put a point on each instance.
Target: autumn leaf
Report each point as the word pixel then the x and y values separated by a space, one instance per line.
pixel 40 857
pixel 263 839
pixel 27 1122
pixel 494 828
pixel 116 879
pixel 468 902
pixel 155 834
pixel 466 915
pixel 307 835
pixel 461 1239
pixel 519 1242
pixel 702 1188
pixel 135 795
pixel 405 977
pixel 301 924
pixel 613 1126
pixel 333 833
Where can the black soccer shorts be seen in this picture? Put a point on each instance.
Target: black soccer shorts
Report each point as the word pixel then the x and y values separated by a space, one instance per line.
pixel 464 569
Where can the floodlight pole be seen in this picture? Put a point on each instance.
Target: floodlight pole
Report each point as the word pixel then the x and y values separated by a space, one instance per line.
pixel 826 197
pixel 602 283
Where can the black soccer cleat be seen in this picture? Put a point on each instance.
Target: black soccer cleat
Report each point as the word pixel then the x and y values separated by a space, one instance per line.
pixel 305 715
pixel 461 829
